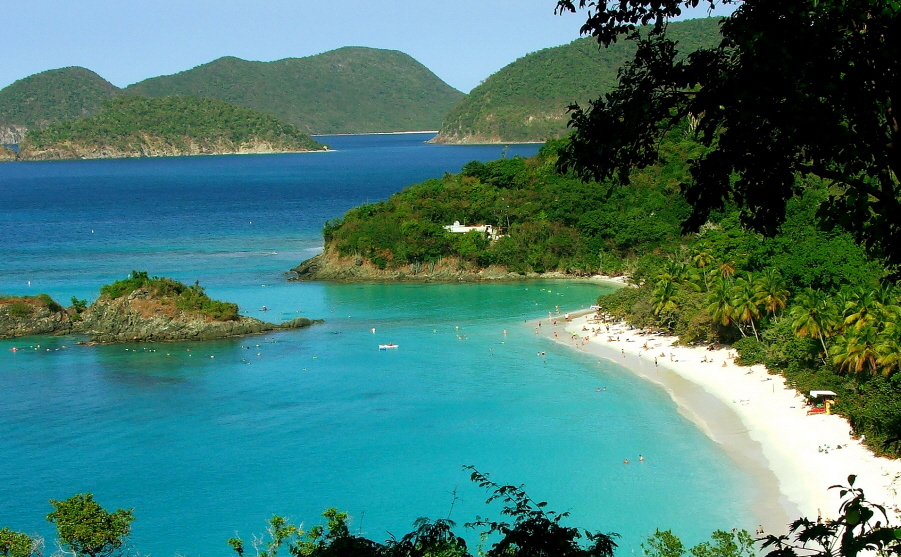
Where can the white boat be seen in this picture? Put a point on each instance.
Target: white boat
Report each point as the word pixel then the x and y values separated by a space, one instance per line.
pixel 387 346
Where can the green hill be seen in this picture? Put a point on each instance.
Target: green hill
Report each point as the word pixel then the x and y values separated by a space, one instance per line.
pixel 51 96
pixel 527 100
pixel 133 126
pixel 348 90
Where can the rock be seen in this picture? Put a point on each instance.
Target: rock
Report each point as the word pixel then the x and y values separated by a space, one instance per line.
pixel 138 317
pixel 25 316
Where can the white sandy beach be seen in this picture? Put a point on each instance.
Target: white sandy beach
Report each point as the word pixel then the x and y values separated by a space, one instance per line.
pixel 760 422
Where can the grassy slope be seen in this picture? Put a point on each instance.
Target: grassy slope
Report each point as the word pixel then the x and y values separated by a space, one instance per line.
pixel 351 89
pixel 527 100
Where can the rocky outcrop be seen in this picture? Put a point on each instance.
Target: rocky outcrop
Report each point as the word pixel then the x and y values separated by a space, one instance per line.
pixel 7 155
pixel 330 266
pixel 12 134
pixel 139 317
pixel 29 316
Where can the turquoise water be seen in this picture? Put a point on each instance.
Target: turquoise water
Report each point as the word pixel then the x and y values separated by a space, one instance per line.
pixel 205 440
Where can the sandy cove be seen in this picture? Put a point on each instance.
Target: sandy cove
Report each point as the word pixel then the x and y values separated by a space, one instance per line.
pixel 761 423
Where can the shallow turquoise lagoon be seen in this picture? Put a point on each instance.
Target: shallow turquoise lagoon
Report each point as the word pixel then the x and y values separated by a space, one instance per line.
pixel 206 440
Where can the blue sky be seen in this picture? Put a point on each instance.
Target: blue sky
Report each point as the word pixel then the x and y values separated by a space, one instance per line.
pixel 125 41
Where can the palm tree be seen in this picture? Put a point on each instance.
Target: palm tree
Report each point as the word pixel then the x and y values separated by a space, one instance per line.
pixel 773 292
pixel 888 349
pixel 719 302
pixel 662 297
pixel 701 260
pixel 745 301
pixel 812 316
pixel 673 271
pixel 855 351
pixel 727 269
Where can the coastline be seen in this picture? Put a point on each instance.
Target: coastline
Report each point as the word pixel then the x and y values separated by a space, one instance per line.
pixel 760 422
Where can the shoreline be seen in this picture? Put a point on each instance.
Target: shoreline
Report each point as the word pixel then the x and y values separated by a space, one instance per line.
pixel 759 421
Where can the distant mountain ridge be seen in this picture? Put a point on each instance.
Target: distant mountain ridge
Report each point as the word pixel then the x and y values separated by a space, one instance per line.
pixel 348 90
pixel 527 100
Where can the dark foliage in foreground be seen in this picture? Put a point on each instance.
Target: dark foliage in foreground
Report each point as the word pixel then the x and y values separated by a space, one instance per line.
pixel 85 529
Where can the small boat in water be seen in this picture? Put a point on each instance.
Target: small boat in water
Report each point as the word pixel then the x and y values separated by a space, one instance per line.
pixel 387 346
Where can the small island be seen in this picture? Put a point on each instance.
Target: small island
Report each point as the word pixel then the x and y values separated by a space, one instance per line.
pixel 139 308
pixel 131 126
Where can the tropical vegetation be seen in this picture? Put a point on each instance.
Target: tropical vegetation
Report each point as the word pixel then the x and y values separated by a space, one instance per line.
pixel 527 100
pixel 52 96
pixel 137 126
pixel 169 291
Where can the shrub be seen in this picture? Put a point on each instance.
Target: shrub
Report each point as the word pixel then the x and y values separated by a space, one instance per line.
pixel 20 310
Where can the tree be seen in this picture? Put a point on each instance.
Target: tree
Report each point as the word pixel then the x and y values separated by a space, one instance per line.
pixel 745 301
pixel 87 529
pixel 18 544
pixel 772 290
pixel 812 316
pixel 663 544
pixel 534 531
pixel 861 527
pixel 796 88
pixel 719 302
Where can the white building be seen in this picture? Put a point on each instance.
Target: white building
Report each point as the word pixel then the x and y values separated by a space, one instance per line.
pixel 458 228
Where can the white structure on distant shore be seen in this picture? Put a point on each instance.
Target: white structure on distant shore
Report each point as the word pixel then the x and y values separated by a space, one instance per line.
pixel 458 228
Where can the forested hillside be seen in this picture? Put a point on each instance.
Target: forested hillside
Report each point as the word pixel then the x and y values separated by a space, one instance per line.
pixel 527 100
pixel 136 126
pixel 348 90
pixel 51 96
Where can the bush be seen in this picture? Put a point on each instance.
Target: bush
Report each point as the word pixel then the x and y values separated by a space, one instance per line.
pixel 750 351
pixel 20 310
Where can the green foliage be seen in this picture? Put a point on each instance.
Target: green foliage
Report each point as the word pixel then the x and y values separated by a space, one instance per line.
pixel 861 528
pixel 534 530
pixel 20 310
pixel 23 307
pixel 135 125
pixel 737 543
pixel 87 529
pixel 186 298
pixel 53 96
pixel 548 222
pixel 527 99
pixel 18 544
pixel 726 544
pixel 794 89
pixel 348 90
pixel 663 544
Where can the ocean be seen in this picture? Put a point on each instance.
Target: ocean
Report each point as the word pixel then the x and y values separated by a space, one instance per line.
pixel 206 440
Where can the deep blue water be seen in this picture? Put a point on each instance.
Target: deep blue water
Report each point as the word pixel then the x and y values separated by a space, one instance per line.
pixel 205 440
